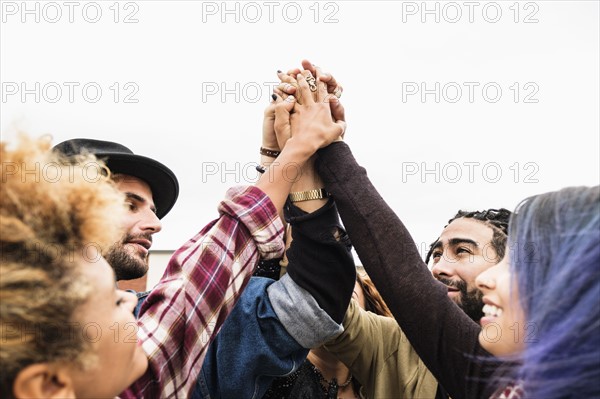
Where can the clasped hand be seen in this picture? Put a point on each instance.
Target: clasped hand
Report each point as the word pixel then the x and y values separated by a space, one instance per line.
pixel 315 123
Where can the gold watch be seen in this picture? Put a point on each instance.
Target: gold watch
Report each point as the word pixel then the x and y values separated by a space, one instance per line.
pixel 316 194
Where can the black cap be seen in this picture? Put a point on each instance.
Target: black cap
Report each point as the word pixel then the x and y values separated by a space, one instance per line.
pixel 120 159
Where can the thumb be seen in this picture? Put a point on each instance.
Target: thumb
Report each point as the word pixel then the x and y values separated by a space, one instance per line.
pixel 342 125
pixel 337 109
pixel 284 107
pixel 282 117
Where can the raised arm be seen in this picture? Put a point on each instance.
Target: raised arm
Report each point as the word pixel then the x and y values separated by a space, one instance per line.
pixel 442 334
pixel 205 277
pixel 439 331
pixel 274 323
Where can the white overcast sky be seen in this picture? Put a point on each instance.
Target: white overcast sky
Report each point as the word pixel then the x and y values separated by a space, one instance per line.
pixel 185 82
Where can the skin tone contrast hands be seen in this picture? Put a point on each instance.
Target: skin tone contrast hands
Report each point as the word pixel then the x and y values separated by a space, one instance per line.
pixel 299 130
pixel 502 310
pixel 310 123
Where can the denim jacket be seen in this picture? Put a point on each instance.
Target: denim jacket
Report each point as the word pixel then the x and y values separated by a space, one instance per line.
pixel 254 346
pixel 141 297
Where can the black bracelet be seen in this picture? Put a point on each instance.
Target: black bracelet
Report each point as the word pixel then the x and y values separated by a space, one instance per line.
pixel 269 153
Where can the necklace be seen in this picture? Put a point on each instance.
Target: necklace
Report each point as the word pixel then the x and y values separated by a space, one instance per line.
pixel 332 385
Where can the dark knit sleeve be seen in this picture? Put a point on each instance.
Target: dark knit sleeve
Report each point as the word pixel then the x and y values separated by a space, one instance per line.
pixel 442 334
pixel 319 257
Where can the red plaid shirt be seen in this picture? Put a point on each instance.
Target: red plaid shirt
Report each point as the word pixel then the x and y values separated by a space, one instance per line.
pixel 203 281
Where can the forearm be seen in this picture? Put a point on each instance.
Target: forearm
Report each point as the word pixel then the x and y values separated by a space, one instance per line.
pixel 319 258
pixel 202 282
pixel 277 181
pixel 251 349
pixel 436 327
pixel 301 322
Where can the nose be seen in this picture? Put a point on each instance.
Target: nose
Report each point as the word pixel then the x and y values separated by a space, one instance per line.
pixel 150 223
pixel 444 267
pixel 486 280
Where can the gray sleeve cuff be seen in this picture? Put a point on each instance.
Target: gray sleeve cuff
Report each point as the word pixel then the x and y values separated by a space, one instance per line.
pixel 300 314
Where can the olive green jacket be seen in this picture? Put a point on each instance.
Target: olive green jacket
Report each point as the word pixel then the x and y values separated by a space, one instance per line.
pixel 381 358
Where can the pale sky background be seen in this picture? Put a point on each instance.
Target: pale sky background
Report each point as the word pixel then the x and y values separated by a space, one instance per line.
pixel 541 132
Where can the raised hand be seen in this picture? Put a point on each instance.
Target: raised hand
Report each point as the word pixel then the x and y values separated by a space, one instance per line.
pixel 269 139
pixel 310 125
pixel 333 87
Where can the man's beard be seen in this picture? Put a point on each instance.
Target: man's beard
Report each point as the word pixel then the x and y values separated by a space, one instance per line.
pixel 127 264
pixel 471 302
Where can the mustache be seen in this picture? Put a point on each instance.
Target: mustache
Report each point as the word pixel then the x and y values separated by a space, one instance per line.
pixel 459 285
pixel 131 237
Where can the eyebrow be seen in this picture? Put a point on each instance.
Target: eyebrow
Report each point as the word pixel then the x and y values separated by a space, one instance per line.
pixel 139 199
pixel 456 241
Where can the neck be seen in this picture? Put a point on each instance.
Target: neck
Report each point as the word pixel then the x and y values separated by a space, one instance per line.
pixel 330 367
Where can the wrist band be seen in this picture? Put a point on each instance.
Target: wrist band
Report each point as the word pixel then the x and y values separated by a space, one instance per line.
pixel 269 153
pixel 316 194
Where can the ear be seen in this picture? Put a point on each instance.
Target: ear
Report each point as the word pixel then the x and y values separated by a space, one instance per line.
pixel 43 380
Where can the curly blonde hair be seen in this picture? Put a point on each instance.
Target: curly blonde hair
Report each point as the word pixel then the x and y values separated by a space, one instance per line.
pixel 52 212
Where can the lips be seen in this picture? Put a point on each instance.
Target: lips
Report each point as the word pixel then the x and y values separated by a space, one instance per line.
pixel 141 245
pixel 142 242
pixel 450 288
pixel 491 312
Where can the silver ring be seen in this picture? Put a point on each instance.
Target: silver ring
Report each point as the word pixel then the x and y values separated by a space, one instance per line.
pixel 337 92
pixel 312 83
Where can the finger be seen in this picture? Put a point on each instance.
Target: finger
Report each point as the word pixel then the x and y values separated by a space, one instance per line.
pixel 270 112
pixel 285 78
pixel 270 109
pixel 337 109
pixel 332 85
pixel 283 107
pixel 307 65
pixel 325 77
pixel 343 126
pixel 331 82
pixel 287 88
pixel 282 116
pixel 293 72
pixel 321 86
pixel 281 93
pixel 304 91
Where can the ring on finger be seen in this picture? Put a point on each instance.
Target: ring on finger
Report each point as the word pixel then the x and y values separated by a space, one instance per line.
pixel 337 92
pixel 312 83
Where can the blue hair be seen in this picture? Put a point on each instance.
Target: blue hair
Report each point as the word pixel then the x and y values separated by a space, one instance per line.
pixel 555 255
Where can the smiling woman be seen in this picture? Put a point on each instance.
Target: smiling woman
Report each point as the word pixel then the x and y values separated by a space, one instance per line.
pixel 65 328
pixel 542 299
